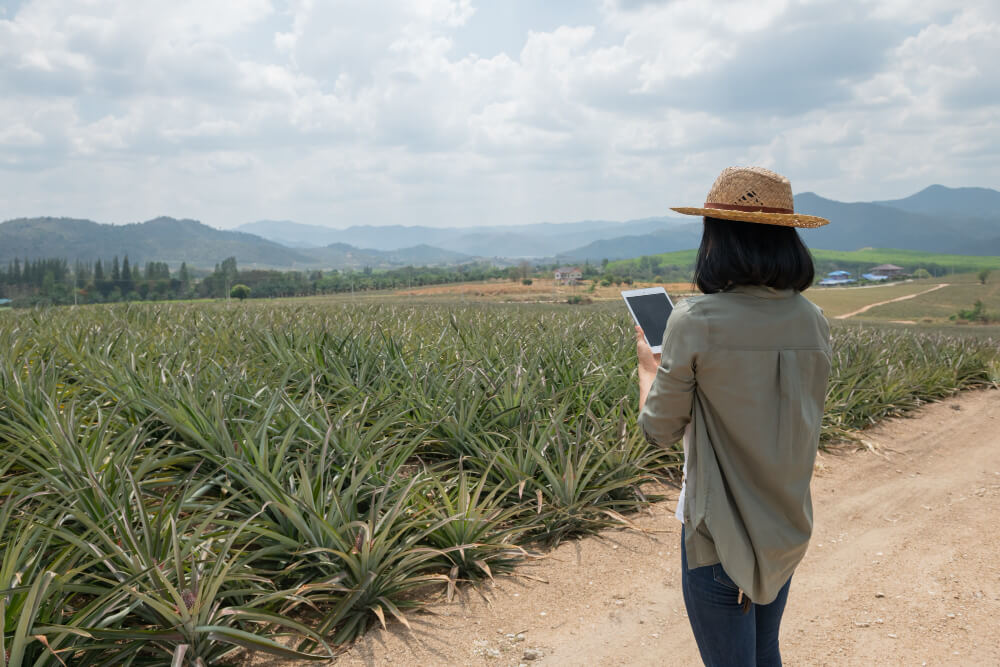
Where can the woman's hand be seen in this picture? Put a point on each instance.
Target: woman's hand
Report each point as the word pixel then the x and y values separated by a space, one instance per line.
pixel 648 362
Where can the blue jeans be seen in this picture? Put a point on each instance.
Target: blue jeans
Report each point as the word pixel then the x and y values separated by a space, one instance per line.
pixel 726 636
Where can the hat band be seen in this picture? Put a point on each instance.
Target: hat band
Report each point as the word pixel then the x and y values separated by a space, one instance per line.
pixel 749 209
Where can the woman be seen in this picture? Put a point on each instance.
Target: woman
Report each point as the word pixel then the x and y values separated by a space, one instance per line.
pixel 743 379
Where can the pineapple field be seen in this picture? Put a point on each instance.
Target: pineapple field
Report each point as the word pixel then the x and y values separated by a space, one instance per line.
pixel 182 483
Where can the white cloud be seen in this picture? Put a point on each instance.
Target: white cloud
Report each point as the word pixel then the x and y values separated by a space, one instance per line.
pixel 340 112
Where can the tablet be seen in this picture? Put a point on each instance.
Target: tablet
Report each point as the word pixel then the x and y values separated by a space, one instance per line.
pixel 650 308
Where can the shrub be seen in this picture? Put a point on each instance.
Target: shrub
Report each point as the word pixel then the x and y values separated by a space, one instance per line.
pixel 239 292
pixel 976 314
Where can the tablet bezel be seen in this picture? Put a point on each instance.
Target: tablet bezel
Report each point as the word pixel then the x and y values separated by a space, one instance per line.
pixel 640 292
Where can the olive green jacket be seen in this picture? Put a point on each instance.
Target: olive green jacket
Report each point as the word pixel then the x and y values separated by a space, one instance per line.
pixel 748 369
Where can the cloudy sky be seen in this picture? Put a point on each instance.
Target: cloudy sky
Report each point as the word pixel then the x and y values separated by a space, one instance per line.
pixel 465 112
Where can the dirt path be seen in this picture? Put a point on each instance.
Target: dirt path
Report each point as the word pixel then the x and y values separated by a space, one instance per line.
pixel 903 569
pixel 882 303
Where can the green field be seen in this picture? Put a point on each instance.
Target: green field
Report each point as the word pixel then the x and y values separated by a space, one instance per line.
pixel 190 480
pixel 909 259
pixel 868 257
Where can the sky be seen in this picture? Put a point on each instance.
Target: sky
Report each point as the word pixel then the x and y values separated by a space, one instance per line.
pixel 468 112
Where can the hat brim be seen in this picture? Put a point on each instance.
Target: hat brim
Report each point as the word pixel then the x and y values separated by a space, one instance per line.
pixel 783 219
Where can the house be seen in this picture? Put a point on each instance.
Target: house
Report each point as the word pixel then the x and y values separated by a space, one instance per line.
pixel 874 277
pixel 887 270
pixel 837 278
pixel 4 302
pixel 568 275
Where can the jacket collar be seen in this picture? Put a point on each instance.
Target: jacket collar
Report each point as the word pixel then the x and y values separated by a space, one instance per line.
pixel 762 291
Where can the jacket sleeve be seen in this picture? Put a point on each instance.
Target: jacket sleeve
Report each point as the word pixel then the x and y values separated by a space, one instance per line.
pixel 668 405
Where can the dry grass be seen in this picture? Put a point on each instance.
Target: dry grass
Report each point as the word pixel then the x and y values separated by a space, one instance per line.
pixel 837 301
pixel 541 290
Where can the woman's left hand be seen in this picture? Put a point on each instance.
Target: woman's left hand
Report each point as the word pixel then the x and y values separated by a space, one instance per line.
pixel 648 362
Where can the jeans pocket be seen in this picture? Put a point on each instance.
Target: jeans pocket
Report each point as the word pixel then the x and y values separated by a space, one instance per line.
pixel 721 577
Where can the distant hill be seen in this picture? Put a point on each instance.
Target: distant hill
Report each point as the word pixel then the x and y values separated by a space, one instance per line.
pixel 161 239
pixel 950 202
pixel 175 241
pixel 342 255
pixel 963 221
pixel 860 225
pixel 622 247
pixel 544 239
pixel 291 234
pixel 937 219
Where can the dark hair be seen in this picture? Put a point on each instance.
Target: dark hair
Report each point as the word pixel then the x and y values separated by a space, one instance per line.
pixel 749 253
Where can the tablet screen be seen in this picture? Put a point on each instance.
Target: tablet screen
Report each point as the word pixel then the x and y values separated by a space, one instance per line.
pixel 651 311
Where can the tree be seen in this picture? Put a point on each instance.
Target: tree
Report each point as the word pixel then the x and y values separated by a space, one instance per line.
pixel 98 271
pixel 184 276
pixel 525 269
pixel 239 292
pixel 921 273
pixel 228 268
pixel 983 276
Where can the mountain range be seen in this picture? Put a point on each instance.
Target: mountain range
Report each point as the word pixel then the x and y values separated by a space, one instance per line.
pixel 961 221
pixel 544 239
pixel 938 219
pixel 174 241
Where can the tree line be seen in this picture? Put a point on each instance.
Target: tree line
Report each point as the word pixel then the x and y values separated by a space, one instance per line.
pixel 54 282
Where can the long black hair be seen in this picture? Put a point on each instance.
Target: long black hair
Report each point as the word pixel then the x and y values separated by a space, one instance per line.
pixel 750 253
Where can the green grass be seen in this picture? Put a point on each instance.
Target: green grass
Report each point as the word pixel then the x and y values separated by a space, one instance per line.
pixel 179 482
pixel 683 258
pixel 909 259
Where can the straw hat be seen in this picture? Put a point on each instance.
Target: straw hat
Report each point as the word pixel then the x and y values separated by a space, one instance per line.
pixel 753 194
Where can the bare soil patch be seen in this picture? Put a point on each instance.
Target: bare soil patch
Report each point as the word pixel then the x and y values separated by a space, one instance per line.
pixel 902 570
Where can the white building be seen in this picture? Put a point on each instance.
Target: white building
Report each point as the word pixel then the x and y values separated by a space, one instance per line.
pixel 568 275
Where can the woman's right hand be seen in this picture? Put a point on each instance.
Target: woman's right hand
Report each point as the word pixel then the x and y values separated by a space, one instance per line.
pixel 648 362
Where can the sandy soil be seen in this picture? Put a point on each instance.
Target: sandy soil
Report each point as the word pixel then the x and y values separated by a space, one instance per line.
pixel 882 303
pixel 903 569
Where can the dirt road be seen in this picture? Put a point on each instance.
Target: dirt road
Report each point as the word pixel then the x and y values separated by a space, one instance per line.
pixel 882 303
pixel 903 569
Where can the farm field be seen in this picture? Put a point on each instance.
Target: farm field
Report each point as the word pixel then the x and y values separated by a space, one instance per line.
pixel 948 263
pixel 540 290
pixel 198 479
pixel 866 257
pixel 961 293
pixel 837 301
pixel 933 308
